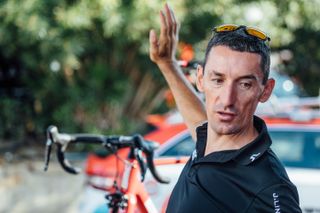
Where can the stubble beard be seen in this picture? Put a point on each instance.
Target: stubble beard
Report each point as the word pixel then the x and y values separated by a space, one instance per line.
pixel 224 129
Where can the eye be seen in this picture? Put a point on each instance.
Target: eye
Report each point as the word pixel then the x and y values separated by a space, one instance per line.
pixel 217 81
pixel 245 85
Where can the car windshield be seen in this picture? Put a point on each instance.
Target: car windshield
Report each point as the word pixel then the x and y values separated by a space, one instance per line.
pixel 297 148
pixel 294 148
pixel 183 146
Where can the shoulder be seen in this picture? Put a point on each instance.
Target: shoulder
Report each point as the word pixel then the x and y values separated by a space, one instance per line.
pixel 278 198
pixel 277 167
pixel 277 193
pixel 269 166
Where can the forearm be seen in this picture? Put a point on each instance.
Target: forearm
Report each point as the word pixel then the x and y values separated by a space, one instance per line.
pixel 162 52
pixel 188 102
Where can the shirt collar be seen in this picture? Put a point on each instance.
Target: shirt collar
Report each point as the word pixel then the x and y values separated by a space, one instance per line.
pixel 245 155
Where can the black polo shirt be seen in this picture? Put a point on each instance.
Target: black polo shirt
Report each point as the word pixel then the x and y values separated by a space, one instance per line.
pixel 250 179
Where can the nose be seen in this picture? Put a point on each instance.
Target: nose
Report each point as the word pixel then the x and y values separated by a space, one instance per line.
pixel 228 96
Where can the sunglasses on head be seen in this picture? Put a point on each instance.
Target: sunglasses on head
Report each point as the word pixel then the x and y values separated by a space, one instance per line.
pixel 249 30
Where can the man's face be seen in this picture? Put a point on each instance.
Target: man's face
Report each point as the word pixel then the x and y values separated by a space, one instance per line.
pixel 232 84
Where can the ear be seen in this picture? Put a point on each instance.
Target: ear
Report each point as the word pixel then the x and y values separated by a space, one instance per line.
pixel 199 81
pixel 267 91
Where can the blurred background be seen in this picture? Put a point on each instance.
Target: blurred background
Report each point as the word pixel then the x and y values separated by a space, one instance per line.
pixel 83 65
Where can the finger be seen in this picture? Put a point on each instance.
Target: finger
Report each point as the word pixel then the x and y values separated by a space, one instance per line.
pixel 164 39
pixel 153 41
pixel 174 21
pixel 169 19
pixel 177 29
pixel 163 25
pixel 152 37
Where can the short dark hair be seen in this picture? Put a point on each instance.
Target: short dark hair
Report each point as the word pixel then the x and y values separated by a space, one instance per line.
pixel 238 40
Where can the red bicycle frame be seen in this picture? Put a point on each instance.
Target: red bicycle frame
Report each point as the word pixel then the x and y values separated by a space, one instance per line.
pixel 135 191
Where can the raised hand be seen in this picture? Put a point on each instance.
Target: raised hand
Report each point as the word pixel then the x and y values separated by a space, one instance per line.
pixel 163 49
pixel 162 52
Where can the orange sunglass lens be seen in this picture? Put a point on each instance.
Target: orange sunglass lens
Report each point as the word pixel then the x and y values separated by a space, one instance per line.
pixel 226 28
pixel 257 33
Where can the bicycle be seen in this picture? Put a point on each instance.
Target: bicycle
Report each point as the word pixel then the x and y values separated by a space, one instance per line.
pixel 131 194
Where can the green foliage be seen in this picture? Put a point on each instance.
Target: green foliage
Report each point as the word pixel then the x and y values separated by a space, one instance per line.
pixel 84 63
pixel 306 59
pixel 15 119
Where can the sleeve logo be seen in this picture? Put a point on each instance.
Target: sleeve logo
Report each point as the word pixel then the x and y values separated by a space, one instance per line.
pixel 276 202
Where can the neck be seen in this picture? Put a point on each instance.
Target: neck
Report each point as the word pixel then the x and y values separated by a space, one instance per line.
pixel 217 142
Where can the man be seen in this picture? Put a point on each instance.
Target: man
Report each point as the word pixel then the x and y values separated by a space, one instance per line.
pixel 233 168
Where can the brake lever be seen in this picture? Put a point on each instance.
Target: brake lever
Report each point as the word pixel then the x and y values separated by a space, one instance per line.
pixel 148 149
pixel 61 144
pixel 47 153
pixel 64 162
pixel 141 162
pixel 153 170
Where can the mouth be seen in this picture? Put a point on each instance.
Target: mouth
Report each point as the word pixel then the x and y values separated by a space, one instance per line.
pixel 226 116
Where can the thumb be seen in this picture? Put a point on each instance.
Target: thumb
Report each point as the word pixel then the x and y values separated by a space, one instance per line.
pixel 153 41
pixel 152 37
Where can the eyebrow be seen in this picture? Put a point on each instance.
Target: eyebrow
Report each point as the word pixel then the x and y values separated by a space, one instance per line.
pixel 250 76
pixel 213 72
